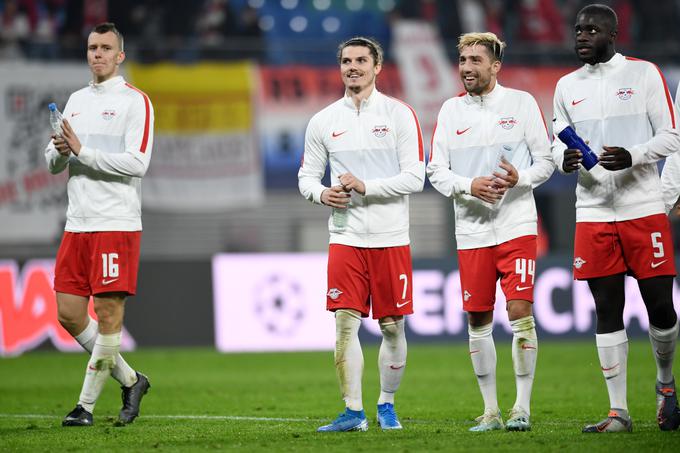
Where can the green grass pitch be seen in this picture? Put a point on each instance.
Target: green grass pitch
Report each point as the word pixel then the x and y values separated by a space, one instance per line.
pixel 202 400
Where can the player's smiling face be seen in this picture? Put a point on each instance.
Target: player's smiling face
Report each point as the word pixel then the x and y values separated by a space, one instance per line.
pixel 477 70
pixel 358 69
pixel 104 55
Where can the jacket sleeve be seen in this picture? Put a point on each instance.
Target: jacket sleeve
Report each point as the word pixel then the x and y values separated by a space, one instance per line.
pixel 138 144
pixel 439 170
pixel 536 136
pixel 560 121
pixel 313 165
pixel 663 118
pixel 411 177
pixel 670 175
pixel 56 163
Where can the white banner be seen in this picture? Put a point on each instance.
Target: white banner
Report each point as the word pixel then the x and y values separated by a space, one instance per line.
pixel 426 73
pixel 32 201
pixel 277 302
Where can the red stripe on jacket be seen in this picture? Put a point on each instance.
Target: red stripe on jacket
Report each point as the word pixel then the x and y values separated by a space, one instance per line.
pixel 665 88
pixel 421 154
pixel 147 119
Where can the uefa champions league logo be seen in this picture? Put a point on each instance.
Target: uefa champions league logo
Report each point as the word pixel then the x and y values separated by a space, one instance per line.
pixel 280 304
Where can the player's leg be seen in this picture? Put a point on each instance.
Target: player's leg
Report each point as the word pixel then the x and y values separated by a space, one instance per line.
pixel 598 258
pixel 73 316
pixel 348 297
pixel 478 285
pixel 516 261
pixel 612 349
pixel 648 250
pixel 392 299
pixel 663 333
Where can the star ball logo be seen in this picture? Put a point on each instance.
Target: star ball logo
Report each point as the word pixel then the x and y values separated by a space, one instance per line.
pixel 508 122
pixel 625 93
pixel 380 131
pixel 280 304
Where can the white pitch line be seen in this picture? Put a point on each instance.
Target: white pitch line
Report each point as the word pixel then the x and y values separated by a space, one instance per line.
pixel 574 423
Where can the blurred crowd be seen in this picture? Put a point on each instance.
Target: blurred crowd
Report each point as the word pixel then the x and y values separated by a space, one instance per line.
pixel 228 29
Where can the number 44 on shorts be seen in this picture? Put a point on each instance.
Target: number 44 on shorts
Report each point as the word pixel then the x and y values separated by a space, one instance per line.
pixel 525 268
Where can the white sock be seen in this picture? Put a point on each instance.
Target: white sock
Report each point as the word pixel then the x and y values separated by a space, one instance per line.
pixel 524 353
pixel 612 348
pixel 483 355
pixel 391 359
pixel 663 346
pixel 99 367
pixel 349 359
pixel 122 372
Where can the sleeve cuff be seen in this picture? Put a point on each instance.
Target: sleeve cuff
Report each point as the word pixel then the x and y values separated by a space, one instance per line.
pixel 86 156
pixel 464 187
pixel 524 180
pixel 316 195
pixel 637 155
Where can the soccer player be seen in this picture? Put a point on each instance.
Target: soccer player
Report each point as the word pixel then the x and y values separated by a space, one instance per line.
pixel 670 176
pixel 374 146
pixel 622 107
pixel 106 146
pixel 490 148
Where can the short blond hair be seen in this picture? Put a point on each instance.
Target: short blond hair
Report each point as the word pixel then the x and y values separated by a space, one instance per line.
pixel 489 40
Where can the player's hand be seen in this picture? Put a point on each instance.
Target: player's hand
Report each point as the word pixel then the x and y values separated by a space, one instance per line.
pixel 350 182
pixel 61 145
pixel 507 180
pixel 572 160
pixel 486 189
pixel 335 197
pixel 70 137
pixel 615 158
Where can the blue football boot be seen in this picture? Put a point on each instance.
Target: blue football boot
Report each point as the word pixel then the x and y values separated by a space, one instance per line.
pixel 347 421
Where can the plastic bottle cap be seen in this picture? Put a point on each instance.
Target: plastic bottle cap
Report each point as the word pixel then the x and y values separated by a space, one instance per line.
pixel 52 106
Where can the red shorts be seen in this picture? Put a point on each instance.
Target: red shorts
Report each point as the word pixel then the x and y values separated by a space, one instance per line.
pixel 514 262
pixel 641 247
pixel 99 262
pixel 383 274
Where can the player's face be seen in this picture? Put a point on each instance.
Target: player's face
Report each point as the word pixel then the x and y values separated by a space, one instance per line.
pixel 104 55
pixel 593 39
pixel 358 69
pixel 477 70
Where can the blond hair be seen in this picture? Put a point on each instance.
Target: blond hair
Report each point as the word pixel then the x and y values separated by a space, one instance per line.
pixel 489 40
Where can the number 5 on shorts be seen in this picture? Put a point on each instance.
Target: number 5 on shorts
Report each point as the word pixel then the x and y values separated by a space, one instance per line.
pixel 657 245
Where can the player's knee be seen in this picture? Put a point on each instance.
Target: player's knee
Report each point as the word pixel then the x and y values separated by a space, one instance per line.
pixel 391 329
pixel 69 320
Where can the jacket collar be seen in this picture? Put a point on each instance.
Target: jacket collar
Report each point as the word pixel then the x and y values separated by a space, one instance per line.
pixel 107 86
pixel 365 103
pixel 488 98
pixel 607 67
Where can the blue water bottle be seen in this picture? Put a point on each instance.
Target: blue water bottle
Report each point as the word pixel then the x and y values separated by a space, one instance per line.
pixel 573 141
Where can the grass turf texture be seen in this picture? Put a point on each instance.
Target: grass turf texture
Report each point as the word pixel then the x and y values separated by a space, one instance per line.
pixel 202 400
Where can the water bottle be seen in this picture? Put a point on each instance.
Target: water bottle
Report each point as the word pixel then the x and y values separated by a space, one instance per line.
pixel 573 141
pixel 340 217
pixel 56 118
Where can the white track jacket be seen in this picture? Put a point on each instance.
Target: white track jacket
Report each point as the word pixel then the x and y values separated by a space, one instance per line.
pixel 623 102
pixel 670 176
pixel 381 144
pixel 114 123
pixel 471 135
